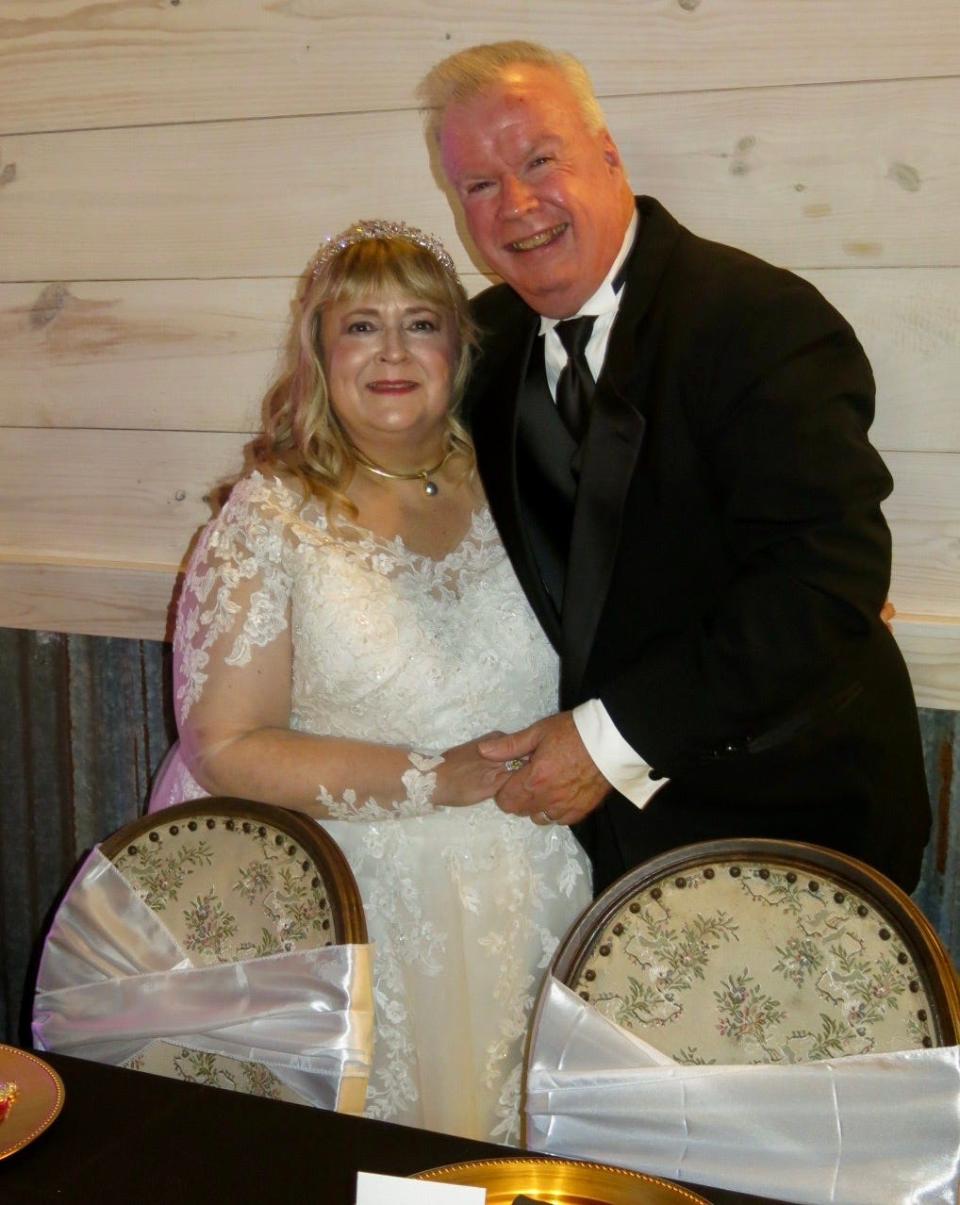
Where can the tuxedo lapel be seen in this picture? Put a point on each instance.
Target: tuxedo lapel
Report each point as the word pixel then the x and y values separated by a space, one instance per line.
pixel 495 436
pixel 612 447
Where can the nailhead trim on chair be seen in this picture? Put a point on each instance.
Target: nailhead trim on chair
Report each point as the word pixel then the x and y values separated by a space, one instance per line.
pixel 846 997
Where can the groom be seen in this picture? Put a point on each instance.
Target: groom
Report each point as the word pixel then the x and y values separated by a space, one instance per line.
pixel 682 478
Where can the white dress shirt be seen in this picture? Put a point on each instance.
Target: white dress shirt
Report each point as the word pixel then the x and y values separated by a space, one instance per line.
pixel 617 761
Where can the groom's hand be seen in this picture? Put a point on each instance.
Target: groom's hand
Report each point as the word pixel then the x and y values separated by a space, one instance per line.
pixel 558 782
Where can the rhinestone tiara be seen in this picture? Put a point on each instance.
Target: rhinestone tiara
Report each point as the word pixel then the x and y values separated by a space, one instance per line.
pixel 372 228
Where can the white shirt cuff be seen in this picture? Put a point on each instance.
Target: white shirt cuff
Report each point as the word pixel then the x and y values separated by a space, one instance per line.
pixel 619 763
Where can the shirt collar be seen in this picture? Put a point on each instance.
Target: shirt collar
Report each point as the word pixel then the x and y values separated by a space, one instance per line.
pixel 606 299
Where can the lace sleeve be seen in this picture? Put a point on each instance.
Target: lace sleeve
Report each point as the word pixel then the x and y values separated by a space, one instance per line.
pixel 236 592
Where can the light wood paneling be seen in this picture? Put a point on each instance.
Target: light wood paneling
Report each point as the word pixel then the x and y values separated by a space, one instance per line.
pixel 175 355
pixel 860 175
pixel 197 355
pixel 135 497
pixel 924 516
pixel 909 323
pixel 65 64
pixel 841 176
pixel 931 649
pixel 89 597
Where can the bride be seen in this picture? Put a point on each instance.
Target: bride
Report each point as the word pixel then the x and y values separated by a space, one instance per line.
pixel 349 629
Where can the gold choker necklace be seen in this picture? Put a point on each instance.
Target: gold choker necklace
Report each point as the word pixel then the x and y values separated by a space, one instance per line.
pixel 430 487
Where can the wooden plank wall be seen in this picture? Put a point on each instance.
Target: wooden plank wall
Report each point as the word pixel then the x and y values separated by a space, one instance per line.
pixel 167 167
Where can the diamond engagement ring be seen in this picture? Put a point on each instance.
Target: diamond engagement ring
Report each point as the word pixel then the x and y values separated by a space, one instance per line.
pixel 514 763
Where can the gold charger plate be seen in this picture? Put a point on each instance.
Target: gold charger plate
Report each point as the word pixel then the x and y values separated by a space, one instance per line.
pixel 39 1100
pixel 561 1182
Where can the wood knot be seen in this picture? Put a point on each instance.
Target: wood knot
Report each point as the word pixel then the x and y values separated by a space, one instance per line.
pixel 739 166
pixel 862 250
pixel 906 176
pixel 49 304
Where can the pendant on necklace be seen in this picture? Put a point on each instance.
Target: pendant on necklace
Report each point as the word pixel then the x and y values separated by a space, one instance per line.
pixel 430 488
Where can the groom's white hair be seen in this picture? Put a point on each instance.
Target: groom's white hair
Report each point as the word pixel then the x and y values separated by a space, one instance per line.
pixel 469 72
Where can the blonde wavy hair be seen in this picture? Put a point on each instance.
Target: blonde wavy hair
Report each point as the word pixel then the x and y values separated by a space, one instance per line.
pixel 301 433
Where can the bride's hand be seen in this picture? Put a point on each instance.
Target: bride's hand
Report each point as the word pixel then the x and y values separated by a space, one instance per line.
pixel 465 777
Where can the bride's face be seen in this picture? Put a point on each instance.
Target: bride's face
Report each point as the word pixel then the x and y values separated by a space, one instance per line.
pixel 389 363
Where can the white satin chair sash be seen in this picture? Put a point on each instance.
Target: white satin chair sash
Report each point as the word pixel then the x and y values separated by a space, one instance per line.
pixel 113 978
pixel 879 1129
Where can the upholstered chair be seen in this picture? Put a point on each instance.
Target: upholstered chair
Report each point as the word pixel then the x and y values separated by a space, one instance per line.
pixel 718 976
pixel 220 942
pixel 763 952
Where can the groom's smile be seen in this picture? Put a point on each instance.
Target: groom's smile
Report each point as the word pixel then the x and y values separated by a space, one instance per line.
pixel 536 241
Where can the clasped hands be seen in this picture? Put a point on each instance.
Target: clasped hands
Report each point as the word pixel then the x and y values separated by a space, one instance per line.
pixel 543 772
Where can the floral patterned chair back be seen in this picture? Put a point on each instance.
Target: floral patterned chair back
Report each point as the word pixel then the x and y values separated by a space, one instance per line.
pixel 762 951
pixel 232 881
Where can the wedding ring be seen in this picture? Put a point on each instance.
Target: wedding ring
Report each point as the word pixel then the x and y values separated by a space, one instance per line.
pixel 547 818
pixel 515 763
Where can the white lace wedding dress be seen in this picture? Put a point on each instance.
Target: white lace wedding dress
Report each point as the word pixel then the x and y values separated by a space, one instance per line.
pixel 464 905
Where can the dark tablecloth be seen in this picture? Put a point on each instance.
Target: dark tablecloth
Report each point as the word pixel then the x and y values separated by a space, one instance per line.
pixel 125 1137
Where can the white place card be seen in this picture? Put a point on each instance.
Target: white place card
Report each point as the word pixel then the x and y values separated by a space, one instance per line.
pixel 374 1189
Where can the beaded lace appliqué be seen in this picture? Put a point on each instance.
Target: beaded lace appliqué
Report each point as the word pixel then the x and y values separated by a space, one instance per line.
pixel 419 782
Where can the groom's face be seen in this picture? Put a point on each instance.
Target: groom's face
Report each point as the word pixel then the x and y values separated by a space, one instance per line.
pixel 545 197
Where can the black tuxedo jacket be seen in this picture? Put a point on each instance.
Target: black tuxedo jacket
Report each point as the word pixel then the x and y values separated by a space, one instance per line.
pixel 728 558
